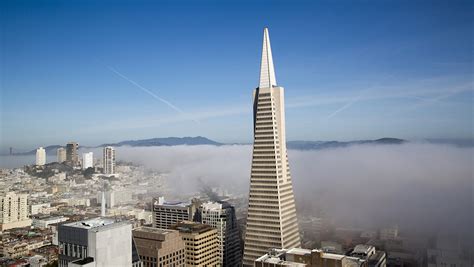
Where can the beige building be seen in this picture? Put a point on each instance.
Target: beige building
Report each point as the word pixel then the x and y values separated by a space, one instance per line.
pixel 200 243
pixel 159 247
pixel 61 154
pixel 13 211
pixel 271 219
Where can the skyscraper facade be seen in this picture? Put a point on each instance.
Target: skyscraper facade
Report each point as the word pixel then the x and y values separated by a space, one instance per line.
pixel 200 243
pixel 109 160
pixel 168 213
pixel 221 216
pixel 61 154
pixel 71 153
pixel 40 156
pixel 87 160
pixel 271 219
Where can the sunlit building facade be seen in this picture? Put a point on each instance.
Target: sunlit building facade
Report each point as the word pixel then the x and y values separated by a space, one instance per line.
pixel 271 219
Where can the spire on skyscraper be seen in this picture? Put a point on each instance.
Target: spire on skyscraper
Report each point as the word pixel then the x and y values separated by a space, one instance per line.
pixel 267 72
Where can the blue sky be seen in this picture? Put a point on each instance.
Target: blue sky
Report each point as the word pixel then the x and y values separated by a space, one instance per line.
pixel 351 69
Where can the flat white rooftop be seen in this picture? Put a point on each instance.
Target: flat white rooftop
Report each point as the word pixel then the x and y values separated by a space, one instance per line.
pixel 92 223
pixel 299 251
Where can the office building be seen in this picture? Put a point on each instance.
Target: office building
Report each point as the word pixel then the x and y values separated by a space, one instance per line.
pixel 360 256
pixel 159 247
pixel 168 213
pixel 61 154
pixel 87 160
pixel 200 243
pixel 13 211
pixel 221 216
pixel 271 218
pixel 40 156
pixel 71 153
pixel 103 241
pixel 109 160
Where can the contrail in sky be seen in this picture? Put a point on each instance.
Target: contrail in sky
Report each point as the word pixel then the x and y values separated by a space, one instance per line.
pixel 350 103
pixel 148 91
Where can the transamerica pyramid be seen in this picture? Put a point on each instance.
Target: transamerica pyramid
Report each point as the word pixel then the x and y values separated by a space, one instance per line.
pixel 271 219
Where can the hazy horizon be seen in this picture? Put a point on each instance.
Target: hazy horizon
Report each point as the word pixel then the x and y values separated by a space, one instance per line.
pixel 96 73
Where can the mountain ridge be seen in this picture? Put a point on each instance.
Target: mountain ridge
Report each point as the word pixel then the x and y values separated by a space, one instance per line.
pixel 200 140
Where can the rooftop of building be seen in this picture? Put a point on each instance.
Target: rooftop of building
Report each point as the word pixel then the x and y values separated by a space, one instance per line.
pixel 84 261
pixel 191 227
pixel 160 201
pixel 299 251
pixel 277 256
pixel 148 229
pixel 362 249
pixel 98 223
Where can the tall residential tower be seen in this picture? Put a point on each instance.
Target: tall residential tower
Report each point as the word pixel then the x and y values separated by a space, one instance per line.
pixel 109 160
pixel 40 156
pixel 271 219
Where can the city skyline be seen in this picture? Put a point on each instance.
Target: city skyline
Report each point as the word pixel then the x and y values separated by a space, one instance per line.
pixel 158 133
pixel 352 79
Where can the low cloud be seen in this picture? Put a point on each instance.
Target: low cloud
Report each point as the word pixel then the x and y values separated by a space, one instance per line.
pixel 417 186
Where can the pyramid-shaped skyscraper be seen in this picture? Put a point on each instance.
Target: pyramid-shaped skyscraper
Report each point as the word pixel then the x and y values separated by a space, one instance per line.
pixel 271 219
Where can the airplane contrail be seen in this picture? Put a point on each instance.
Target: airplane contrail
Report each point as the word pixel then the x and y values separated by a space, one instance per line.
pixel 148 91
pixel 350 103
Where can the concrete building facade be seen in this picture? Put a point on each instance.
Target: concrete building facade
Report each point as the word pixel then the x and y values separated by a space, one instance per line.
pixel 200 243
pixel 271 218
pixel 108 159
pixel 168 213
pixel 107 242
pixel 159 247
pixel 13 211
pixel 71 153
pixel 87 160
pixel 40 156
pixel 61 154
pixel 221 216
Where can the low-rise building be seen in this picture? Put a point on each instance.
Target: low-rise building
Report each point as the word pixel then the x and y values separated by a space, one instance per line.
pixel 44 222
pixel 360 256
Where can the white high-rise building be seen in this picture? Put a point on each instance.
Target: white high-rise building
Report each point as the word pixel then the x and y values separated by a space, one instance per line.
pixel 87 160
pixel 99 242
pixel 109 160
pixel 40 156
pixel 271 219
pixel 61 153
pixel 13 211
pixel 221 216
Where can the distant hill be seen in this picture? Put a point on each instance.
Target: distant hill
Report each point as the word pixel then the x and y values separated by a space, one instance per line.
pixel 167 141
pixel 200 140
pixel 313 145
